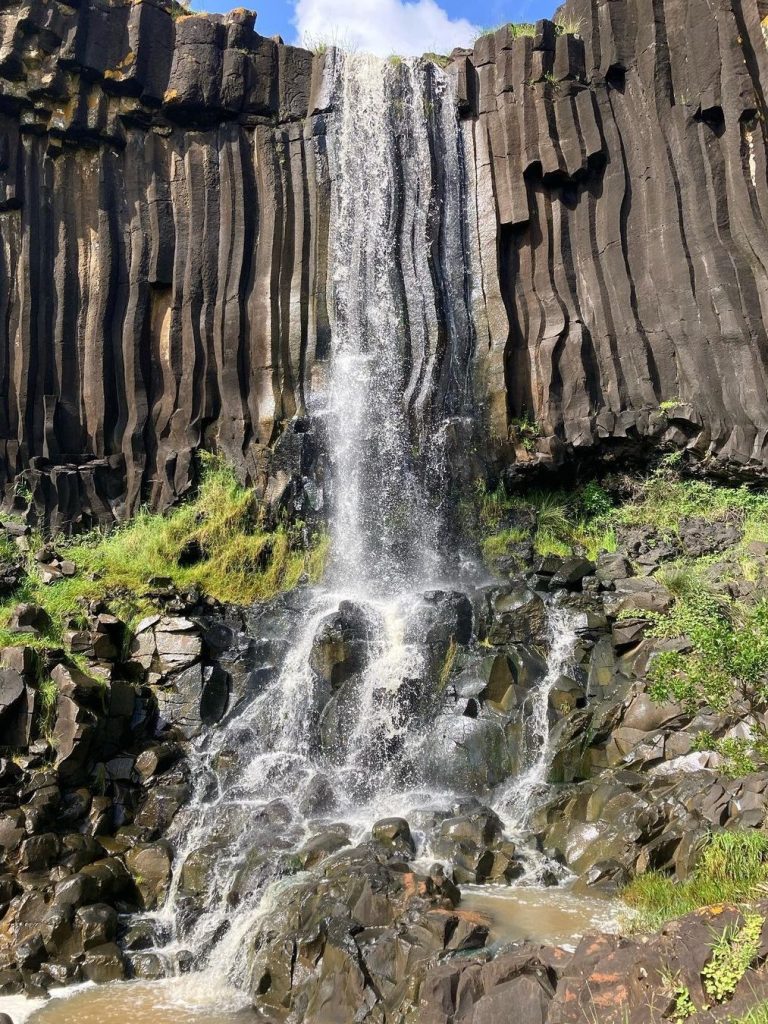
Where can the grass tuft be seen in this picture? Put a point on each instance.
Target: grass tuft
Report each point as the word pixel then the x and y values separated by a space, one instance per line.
pixel 217 543
pixel 516 30
pixel 733 869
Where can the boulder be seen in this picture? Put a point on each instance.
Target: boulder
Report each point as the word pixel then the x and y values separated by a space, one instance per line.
pixel 150 865
pixel 518 616
pixel 30 618
pixel 395 835
pixel 340 646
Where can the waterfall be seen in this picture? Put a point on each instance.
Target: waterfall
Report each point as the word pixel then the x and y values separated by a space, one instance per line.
pixel 402 330
pixel 400 358
pixel 515 801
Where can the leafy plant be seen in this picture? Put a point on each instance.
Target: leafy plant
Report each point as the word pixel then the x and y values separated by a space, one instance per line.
pixel 595 501
pixel 732 956
pixel 684 1006
pixel 526 432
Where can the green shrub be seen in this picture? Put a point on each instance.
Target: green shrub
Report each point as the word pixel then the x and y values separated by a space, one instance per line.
pixel 595 502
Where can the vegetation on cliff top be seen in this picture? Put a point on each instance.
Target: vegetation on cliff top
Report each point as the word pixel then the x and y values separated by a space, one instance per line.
pixel 217 542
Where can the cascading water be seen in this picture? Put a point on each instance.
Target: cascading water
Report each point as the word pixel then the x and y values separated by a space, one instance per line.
pixel 399 368
pixel 515 800
pixel 402 336
pixel 363 743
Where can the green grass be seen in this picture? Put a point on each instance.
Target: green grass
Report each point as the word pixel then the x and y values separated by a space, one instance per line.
pixel 8 550
pixel 48 694
pixel 664 501
pixel 241 560
pixel 516 30
pixel 587 519
pixel 569 25
pixel 733 869
pixel 757 1015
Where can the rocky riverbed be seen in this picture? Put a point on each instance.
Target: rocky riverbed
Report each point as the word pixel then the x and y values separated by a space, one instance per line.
pixel 369 914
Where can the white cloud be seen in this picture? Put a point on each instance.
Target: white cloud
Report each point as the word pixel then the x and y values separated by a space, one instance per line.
pixel 383 27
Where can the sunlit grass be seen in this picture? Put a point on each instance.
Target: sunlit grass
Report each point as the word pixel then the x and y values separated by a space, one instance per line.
pixel 217 543
pixel 733 869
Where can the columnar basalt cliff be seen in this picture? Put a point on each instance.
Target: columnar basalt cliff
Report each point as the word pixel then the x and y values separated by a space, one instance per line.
pixel 165 211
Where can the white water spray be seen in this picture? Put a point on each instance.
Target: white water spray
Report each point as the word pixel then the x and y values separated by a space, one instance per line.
pixel 515 801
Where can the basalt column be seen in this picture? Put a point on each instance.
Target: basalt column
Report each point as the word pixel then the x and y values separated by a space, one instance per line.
pixel 165 206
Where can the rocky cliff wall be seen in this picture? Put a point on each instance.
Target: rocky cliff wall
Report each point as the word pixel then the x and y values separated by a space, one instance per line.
pixel 164 219
pixel 162 267
pixel 621 188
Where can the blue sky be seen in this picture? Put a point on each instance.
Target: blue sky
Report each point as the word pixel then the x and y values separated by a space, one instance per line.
pixel 386 26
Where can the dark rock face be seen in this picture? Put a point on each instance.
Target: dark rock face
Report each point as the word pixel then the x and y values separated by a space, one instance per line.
pixel 158 179
pixel 358 938
pixel 621 979
pixel 597 335
pixel 164 217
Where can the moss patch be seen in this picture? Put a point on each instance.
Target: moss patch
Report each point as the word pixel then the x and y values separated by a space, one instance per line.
pixel 216 542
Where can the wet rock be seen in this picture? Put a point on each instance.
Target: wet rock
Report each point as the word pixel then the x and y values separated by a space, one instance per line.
pixel 40 852
pixel 370 912
pixel 147 966
pixel 318 798
pixel 143 935
pixel 160 808
pixel 340 646
pixel 566 695
pixel 103 964
pixel 469 840
pixel 150 865
pixel 193 698
pixel 156 759
pixel 395 835
pixel 321 846
pixel 518 616
pixel 199 870
pixel 442 618
pixel 96 925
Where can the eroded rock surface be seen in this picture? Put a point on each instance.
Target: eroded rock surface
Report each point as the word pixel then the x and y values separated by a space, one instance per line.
pixel 164 266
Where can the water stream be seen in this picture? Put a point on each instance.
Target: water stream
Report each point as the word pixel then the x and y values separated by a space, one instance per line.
pixel 399 375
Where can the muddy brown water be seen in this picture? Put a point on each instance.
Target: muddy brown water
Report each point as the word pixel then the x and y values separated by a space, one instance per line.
pixel 558 916
pixel 176 1001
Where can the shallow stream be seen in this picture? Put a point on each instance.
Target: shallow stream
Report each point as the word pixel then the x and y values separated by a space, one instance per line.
pixel 559 916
